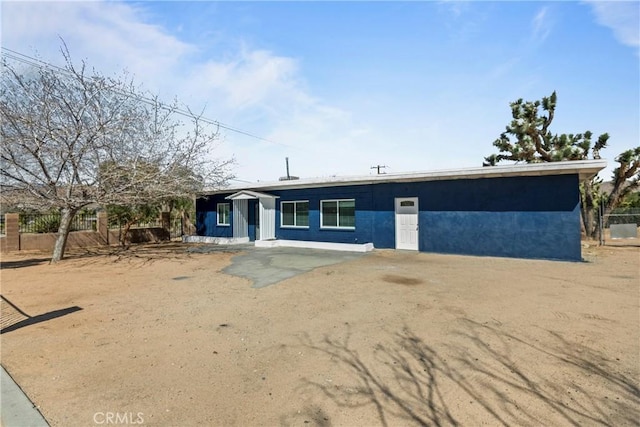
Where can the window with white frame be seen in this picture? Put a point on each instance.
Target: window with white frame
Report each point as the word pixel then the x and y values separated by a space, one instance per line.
pixel 294 214
pixel 223 214
pixel 338 213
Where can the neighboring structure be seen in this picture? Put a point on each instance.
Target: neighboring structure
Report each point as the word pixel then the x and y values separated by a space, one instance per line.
pixel 524 211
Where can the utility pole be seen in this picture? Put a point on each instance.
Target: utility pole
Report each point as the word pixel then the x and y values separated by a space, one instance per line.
pixel 378 167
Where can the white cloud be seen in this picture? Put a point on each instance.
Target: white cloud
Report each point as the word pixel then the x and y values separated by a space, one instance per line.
pixel 541 25
pixel 253 90
pixel 455 8
pixel 623 17
pixel 250 79
pixel 110 36
pixel 264 92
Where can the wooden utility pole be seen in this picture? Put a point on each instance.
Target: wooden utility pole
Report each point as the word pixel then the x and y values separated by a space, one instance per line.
pixel 378 167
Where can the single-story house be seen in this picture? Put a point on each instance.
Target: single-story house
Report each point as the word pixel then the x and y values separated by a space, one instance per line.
pixel 523 211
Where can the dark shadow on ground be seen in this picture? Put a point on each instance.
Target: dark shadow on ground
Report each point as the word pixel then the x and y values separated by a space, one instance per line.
pixel 146 252
pixel 408 380
pixel 14 318
pixel 23 263
pixel 207 248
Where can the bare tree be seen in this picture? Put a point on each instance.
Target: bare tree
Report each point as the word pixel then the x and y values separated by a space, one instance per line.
pixel 73 138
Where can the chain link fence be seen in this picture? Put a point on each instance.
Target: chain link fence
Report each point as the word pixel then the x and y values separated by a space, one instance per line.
pixel 620 225
pixel 622 216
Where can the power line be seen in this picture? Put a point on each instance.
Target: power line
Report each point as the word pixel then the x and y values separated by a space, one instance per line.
pixel 26 59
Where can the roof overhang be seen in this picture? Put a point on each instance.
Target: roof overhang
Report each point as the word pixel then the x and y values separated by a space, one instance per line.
pixel 249 195
pixel 585 169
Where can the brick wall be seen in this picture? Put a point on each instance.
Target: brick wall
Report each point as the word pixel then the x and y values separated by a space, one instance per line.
pixel 13 240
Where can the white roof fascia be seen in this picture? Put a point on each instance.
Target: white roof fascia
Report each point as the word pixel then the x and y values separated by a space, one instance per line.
pixel 249 195
pixel 584 168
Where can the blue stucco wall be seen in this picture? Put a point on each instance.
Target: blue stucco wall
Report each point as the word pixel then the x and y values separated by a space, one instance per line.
pixel 206 217
pixel 525 217
pixel 363 232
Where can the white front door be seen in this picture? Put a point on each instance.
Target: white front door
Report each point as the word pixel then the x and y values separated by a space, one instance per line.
pixel 407 223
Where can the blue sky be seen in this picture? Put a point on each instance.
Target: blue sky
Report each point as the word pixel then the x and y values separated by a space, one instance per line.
pixel 339 87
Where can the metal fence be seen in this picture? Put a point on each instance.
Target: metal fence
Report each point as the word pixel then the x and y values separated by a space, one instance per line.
pixel 622 216
pixel 49 223
pixel 115 224
pixel 620 225
pixel 176 229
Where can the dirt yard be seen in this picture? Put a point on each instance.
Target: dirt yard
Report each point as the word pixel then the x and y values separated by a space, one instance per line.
pixel 161 337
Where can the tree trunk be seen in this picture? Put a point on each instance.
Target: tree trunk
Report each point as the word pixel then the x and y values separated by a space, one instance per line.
pixel 187 225
pixel 586 208
pixel 590 224
pixel 66 216
pixel 620 190
pixel 124 234
pixel 587 221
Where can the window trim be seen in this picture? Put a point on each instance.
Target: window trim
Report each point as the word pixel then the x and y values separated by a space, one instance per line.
pixel 295 220
pixel 228 218
pixel 337 227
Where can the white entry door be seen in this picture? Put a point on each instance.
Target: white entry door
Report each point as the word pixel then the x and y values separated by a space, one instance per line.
pixel 407 223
